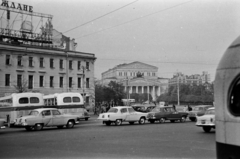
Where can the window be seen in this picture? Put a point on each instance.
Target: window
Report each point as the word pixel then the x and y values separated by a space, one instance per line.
pixel 79 65
pixel 70 65
pixel 8 58
pixel 41 78
pixel 87 82
pixel 30 82
pixel 51 63
pixel 87 65
pixel 19 80
pixel 56 112
pixel 79 82
pixel 148 74
pixel 67 100
pixel 124 110
pixel 76 99
pixel 125 73
pixel 61 64
pixel 87 100
pixel 30 60
pixel 34 100
pixel 61 82
pixel 70 82
pixel 41 62
pixel 19 61
pixel 23 100
pixel 51 81
pixel 46 113
pixel 7 79
pixel 234 98
pixel 131 110
pixel 153 74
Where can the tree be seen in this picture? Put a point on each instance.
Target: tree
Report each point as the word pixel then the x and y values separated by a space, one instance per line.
pixel 21 86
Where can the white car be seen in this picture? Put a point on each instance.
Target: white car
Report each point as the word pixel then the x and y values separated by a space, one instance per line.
pixel 46 117
pixel 120 114
pixel 207 121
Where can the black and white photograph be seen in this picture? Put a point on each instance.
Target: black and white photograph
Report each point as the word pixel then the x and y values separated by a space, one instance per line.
pixel 116 79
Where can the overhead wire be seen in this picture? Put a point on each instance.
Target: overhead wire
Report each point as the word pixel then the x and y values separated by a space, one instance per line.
pixel 134 19
pixel 100 16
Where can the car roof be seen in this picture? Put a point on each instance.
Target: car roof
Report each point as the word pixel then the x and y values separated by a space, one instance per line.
pixel 211 108
pixel 204 106
pixel 118 107
pixel 143 105
pixel 42 109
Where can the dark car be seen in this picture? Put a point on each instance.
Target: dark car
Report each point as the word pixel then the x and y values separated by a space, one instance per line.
pixel 162 114
pixel 143 108
pixel 198 111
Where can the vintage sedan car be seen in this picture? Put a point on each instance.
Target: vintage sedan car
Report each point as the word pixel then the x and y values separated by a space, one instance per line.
pixel 198 111
pixel 143 108
pixel 120 114
pixel 162 114
pixel 83 115
pixel 46 117
pixel 207 121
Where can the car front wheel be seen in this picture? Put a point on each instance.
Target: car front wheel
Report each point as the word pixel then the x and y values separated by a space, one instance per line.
pixel 70 124
pixel 183 119
pixel 141 120
pixel 207 129
pixel 118 122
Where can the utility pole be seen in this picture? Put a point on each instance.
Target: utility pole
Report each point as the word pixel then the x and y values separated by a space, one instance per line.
pixel 178 89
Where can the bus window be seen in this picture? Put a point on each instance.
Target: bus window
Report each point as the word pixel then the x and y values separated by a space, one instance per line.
pixel 234 101
pixel 34 100
pixel 23 100
pixel 76 99
pixel 67 100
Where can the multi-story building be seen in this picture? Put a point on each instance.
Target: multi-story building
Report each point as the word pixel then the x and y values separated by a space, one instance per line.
pixel 46 70
pixel 137 77
pixel 192 79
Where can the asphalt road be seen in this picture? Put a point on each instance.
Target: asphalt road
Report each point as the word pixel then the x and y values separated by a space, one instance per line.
pixel 91 139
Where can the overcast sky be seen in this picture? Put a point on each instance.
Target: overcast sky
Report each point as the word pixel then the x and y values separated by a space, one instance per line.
pixel 174 35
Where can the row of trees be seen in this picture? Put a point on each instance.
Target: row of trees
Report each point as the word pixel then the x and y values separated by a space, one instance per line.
pixel 189 94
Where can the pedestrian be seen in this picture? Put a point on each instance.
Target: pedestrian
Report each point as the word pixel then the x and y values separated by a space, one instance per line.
pixel 189 108
pixel 185 108
pixel 174 107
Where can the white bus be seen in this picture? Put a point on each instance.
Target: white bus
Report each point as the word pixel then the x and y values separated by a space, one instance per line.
pixel 68 103
pixel 19 104
pixel 227 103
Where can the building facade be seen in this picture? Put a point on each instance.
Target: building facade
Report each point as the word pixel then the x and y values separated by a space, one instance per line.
pixel 46 70
pixel 137 77
pixel 192 79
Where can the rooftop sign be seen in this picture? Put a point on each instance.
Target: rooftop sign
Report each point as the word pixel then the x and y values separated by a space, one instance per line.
pixel 18 6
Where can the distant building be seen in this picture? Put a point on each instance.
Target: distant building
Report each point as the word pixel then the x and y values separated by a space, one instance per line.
pixel 137 77
pixel 192 79
pixel 46 70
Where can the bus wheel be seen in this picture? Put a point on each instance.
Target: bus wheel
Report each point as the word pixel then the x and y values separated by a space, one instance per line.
pixel 207 129
pixel 29 128
pixel 38 127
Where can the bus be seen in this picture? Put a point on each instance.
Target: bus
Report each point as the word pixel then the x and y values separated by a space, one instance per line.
pixel 19 104
pixel 68 103
pixel 227 103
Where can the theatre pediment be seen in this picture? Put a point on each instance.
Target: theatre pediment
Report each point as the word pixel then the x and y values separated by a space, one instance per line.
pixel 137 65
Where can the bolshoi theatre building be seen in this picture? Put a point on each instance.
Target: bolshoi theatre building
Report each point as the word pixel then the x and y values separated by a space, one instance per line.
pixel 137 77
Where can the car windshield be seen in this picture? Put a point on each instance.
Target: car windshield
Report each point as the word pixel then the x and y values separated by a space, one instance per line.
pixel 35 113
pixel 113 110
pixel 211 111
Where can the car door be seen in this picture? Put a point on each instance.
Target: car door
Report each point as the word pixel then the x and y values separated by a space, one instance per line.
pixel 124 113
pixel 172 114
pixel 132 115
pixel 57 118
pixel 47 117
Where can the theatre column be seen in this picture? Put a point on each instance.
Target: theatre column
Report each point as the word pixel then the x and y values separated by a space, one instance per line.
pixel 142 89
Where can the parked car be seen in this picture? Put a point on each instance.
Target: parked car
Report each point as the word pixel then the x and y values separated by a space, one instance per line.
pixel 3 123
pixel 162 114
pixel 46 117
pixel 207 121
pixel 120 114
pixel 198 111
pixel 143 108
